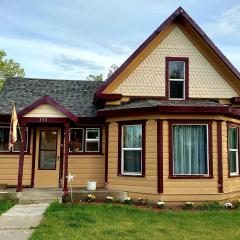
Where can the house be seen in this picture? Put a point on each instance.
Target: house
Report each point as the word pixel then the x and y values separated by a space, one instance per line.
pixel 164 126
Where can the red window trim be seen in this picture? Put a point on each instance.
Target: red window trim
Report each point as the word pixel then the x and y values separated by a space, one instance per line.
pixel 186 88
pixel 170 148
pixel 120 124
pixel 84 133
pixel 231 124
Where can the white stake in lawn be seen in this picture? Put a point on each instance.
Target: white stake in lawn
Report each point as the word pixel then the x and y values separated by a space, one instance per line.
pixel 70 178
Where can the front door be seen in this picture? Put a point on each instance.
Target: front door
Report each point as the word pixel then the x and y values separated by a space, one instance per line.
pixel 47 160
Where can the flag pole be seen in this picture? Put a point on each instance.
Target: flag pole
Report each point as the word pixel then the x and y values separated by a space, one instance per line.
pixel 19 129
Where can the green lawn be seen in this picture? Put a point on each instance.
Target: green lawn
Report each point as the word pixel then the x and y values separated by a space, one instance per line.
pixel 5 205
pixel 107 221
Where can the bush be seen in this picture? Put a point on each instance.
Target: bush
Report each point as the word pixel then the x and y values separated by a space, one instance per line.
pixel 209 206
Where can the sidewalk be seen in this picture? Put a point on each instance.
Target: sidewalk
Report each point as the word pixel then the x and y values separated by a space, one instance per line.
pixel 19 221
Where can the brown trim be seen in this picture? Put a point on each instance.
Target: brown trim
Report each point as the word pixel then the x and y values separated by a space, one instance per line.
pixel 170 148
pixel 33 155
pixel 66 147
pixel 51 102
pixel 160 155
pixel 236 125
pixel 174 17
pixel 111 97
pixel 220 161
pixel 203 110
pixel 21 157
pixel 120 124
pixel 44 120
pixel 186 80
pixel 61 158
pixel 106 151
pixel 46 149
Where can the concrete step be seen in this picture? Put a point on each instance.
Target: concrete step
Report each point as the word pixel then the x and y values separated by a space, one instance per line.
pixel 37 200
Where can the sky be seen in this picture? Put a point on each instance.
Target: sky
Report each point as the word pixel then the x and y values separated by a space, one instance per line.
pixel 70 39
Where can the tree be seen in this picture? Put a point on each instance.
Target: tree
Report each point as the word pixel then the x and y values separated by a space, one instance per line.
pixel 9 68
pixel 112 69
pixel 99 78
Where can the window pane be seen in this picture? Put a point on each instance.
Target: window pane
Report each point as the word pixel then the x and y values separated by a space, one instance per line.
pixel 132 136
pixel 92 146
pixel 132 161
pixel 4 139
pixel 233 161
pixel 76 140
pixel 47 159
pixel 190 150
pixel 233 138
pixel 176 70
pixel 48 140
pixel 16 146
pixel 92 134
pixel 176 89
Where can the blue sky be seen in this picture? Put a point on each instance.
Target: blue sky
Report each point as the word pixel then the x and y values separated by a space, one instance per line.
pixel 70 39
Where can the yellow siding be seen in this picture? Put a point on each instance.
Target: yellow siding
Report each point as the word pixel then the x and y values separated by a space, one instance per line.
pixel 148 78
pixel 88 167
pixel 174 189
pixel 9 168
pixel 45 110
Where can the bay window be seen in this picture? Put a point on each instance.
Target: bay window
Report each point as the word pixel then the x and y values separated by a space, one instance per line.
pixel 233 145
pixel 190 149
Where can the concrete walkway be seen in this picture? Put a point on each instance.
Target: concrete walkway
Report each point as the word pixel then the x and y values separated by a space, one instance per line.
pixel 19 221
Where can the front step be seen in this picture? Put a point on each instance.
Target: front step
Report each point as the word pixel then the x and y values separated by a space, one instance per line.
pixel 35 201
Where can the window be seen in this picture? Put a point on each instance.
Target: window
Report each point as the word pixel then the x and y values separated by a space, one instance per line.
pixel 190 149
pixel 233 151
pixel 4 140
pixel 76 140
pixel 92 140
pixel 131 149
pixel 177 75
pixel 84 140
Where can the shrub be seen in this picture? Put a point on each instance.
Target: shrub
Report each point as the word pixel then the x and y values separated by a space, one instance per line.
pixel 109 199
pixel 160 204
pixel 209 206
pixel 188 205
pixel 127 200
pixel 141 202
pixel 91 198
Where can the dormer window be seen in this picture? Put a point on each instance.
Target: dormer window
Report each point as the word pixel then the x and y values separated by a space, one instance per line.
pixel 176 78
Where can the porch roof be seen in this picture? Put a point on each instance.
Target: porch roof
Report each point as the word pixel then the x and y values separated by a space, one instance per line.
pixel 74 95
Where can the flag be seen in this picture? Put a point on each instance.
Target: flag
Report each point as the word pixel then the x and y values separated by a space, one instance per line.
pixel 13 128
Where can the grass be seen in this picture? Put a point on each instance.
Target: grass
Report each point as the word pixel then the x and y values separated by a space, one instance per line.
pixel 109 221
pixel 5 205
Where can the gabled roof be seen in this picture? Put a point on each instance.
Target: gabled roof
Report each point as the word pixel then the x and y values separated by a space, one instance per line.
pixel 178 14
pixel 74 96
pixel 51 102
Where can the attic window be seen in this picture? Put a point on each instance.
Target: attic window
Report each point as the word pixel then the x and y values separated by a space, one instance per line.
pixel 176 78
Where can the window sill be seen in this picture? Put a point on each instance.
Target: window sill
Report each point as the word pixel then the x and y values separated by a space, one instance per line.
pixel 85 153
pixel 130 175
pixel 14 153
pixel 233 176
pixel 190 176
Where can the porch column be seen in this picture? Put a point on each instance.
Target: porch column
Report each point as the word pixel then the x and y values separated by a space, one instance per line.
pixel 66 149
pixel 21 157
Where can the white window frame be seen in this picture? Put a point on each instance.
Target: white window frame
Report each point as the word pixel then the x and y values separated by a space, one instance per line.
pixel 236 152
pixel 190 174
pixel 16 151
pixel 92 140
pixel 82 139
pixel 176 80
pixel 129 149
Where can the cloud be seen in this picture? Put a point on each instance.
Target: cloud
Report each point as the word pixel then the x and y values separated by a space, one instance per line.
pixel 70 63
pixel 226 24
